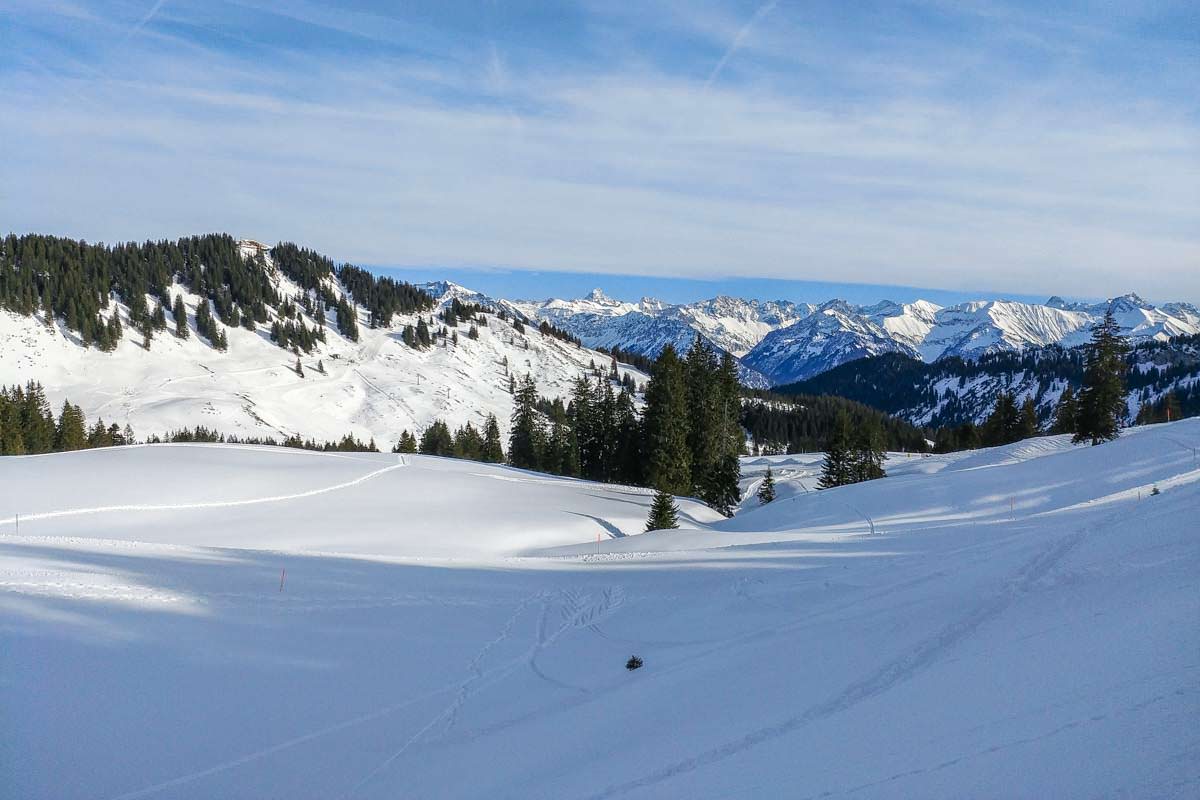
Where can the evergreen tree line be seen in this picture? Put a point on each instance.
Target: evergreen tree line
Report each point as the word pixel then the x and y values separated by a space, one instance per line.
pixel 347 444
pixel 382 297
pixel 1167 408
pixel 854 453
pixel 28 427
pixel 75 281
pixel 898 384
pixel 686 441
pixel 467 442
pixel 806 423
pixel 1092 414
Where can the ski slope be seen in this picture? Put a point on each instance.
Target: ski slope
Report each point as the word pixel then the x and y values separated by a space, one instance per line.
pixel 1022 623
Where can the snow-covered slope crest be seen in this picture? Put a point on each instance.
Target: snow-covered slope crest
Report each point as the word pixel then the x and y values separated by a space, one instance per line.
pixel 357 626
pixel 374 388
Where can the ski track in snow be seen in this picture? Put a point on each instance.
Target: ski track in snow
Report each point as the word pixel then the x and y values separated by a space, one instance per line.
pixel 253 501
pixel 518 697
pixel 893 672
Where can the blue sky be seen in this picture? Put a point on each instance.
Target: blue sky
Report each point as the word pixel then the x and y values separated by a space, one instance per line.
pixel 967 146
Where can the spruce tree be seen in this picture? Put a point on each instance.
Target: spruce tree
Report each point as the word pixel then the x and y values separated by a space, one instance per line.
pixel 407 443
pixel 1027 422
pixel 1066 413
pixel 628 461
pixel 704 430
pixel 664 514
pixel 722 491
pixel 668 457
pixel 36 420
pixel 71 433
pixel 560 455
pixel 436 440
pixel 526 437
pixel 493 451
pixel 838 468
pixel 1003 425
pixel 1102 397
pixel 868 451
pixel 766 491
pixel 180 315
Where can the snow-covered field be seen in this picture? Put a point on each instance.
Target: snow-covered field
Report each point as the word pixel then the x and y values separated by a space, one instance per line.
pixel 1022 623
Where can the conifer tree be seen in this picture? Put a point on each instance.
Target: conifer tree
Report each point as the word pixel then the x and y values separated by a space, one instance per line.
pixel 436 440
pixel 1066 413
pixel 766 491
pixel 868 451
pixel 493 451
pixel 704 429
pixel 668 458
pixel 1027 422
pixel 628 463
pixel 664 514
pixel 180 314
pixel 468 443
pixel 1102 397
pixel 36 420
pixel 71 433
pixel 1003 424
pixel 721 490
pixel 560 455
pixel 837 469
pixel 407 443
pixel 526 437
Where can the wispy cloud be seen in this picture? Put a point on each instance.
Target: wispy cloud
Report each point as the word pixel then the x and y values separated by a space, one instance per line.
pixel 496 153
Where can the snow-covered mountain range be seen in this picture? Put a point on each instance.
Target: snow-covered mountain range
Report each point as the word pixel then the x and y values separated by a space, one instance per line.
pixel 781 342
pixel 378 386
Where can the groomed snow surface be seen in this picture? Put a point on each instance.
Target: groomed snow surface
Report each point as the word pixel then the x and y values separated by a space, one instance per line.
pixel 1021 623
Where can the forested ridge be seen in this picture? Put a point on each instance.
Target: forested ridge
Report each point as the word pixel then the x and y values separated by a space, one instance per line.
pixel 899 384
pixel 76 282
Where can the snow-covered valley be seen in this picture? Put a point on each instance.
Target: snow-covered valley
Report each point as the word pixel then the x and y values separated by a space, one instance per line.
pixel 191 621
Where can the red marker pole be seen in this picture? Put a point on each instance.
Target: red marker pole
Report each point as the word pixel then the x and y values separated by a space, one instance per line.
pixel 282 575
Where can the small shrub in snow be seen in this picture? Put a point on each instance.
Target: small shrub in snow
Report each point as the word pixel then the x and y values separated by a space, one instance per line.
pixel 633 663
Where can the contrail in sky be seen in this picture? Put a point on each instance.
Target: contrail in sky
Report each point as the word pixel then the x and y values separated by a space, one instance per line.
pixel 142 22
pixel 739 39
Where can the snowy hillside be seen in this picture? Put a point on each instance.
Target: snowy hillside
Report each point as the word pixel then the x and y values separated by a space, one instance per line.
pixel 375 387
pixel 213 621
